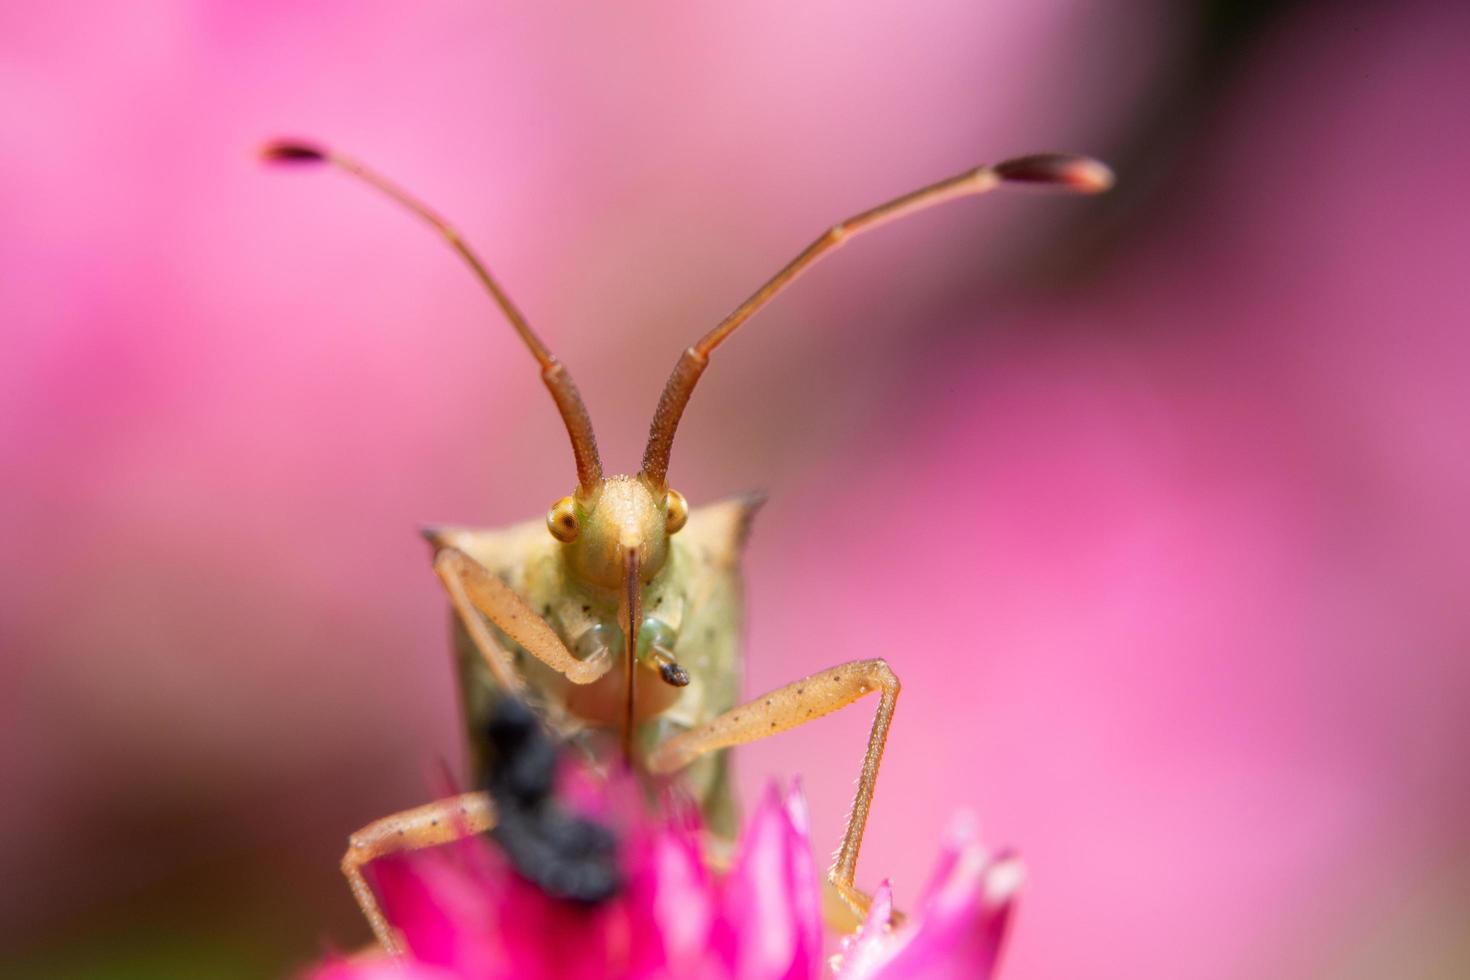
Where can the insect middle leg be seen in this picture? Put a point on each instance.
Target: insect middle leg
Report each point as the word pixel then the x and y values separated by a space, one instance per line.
pixel 785 708
pixel 440 822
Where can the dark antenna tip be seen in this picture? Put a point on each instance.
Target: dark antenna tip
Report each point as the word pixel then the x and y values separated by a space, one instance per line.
pixel 1062 170
pixel 290 151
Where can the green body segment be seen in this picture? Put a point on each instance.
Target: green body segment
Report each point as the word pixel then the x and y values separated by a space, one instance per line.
pixel 693 607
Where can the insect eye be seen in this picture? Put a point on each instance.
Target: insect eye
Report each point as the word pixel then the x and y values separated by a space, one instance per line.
pixel 561 519
pixel 678 509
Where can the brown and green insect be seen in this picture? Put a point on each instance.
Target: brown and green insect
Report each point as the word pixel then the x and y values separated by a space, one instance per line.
pixel 617 617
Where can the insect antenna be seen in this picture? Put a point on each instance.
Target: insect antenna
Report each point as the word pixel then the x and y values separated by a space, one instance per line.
pixel 1062 171
pixel 553 372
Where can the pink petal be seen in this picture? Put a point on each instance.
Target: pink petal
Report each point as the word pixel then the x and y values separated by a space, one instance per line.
pixel 762 938
pixel 863 952
pixel 671 905
pixel 958 928
pixel 806 895
pixel 380 968
pixel 462 908
pixel 550 939
pixel 445 912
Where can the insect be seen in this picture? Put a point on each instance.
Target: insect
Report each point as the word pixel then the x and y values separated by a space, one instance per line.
pixel 618 616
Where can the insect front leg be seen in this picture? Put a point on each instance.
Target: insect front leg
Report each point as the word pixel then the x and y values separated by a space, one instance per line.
pixel 473 591
pixel 440 822
pixel 792 705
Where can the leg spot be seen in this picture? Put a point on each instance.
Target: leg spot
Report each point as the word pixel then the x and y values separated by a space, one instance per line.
pixel 800 690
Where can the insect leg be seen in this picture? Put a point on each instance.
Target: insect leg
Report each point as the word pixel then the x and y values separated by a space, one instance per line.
pixel 473 590
pixel 785 708
pixel 429 825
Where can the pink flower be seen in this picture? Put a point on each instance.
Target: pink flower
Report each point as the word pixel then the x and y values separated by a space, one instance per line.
pixel 959 926
pixel 464 913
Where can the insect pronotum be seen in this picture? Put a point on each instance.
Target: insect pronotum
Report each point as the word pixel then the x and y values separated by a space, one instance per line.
pixel 620 612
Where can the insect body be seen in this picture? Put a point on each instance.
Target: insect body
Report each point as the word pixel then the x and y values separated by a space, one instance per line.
pixel 618 615
pixel 686 667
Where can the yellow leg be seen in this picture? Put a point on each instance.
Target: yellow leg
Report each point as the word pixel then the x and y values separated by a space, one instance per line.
pixel 434 823
pixel 785 708
pixel 474 591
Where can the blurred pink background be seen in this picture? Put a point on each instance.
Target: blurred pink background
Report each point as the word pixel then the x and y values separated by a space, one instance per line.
pixel 1156 503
